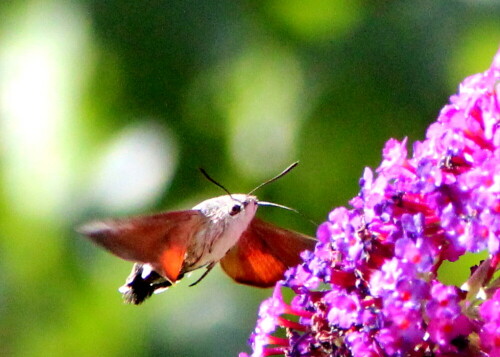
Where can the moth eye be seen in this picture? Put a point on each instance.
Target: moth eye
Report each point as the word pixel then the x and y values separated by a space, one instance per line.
pixel 235 210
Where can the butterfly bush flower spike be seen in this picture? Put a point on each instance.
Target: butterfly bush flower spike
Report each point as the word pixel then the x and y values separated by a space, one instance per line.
pixel 371 286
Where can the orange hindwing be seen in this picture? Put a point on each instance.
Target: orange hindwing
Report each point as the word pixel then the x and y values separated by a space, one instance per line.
pixel 263 253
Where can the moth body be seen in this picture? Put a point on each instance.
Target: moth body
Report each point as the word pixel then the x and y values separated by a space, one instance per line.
pixel 227 218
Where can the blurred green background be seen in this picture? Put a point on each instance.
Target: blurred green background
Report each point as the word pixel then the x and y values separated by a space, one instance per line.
pixel 107 108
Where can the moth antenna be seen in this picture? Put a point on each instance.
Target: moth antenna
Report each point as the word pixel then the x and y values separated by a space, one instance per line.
pixel 207 176
pixel 272 204
pixel 283 173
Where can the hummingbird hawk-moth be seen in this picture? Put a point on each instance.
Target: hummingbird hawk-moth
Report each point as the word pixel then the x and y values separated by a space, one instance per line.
pixel 166 246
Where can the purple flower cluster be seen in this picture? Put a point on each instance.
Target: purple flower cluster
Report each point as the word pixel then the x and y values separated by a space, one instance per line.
pixel 371 286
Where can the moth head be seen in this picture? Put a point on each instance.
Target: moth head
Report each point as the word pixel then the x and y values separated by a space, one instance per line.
pixel 237 207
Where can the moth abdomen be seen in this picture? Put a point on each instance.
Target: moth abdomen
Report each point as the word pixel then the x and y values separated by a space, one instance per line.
pixel 140 286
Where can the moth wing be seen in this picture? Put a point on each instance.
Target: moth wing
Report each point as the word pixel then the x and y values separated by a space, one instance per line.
pixel 263 253
pixel 160 240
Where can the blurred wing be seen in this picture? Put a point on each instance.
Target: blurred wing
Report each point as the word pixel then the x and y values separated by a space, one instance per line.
pixel 263 253
pixel 160 240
